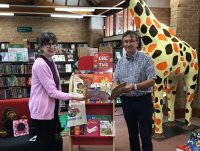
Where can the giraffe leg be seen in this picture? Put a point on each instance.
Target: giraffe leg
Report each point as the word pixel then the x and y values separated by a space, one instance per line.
pixel 153 115
pixel 190 81
pixel 158 105
pixel 171 96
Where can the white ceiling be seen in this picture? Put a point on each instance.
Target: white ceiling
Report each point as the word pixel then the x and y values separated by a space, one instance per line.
pixel 71 2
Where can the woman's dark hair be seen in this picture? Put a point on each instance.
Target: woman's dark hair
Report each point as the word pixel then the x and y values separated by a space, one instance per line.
pixel 45 37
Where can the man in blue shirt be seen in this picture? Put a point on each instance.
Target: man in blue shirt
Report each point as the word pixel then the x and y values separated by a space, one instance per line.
pixel 137 69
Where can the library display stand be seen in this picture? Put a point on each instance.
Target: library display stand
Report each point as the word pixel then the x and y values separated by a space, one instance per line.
pixel 93 109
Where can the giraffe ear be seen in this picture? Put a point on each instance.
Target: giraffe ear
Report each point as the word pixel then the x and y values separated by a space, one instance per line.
pixel 128 2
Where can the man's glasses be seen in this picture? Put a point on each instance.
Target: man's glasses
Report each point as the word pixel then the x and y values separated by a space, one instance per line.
pixel 130 41
pixel 48 45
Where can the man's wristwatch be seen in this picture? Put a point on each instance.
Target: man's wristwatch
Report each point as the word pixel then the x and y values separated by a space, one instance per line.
pixel 135 87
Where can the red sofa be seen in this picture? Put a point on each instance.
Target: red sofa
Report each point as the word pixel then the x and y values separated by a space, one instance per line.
pixel 22 142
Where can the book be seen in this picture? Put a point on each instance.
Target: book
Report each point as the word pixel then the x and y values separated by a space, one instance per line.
pixel 68 68
pixel 117 55
pixel 20 127
pixel 92 127
pixel 31 56
pixel 19 56
pixel 4 56
pixel 58 57
pixel 70 58
pixel 102 95
pixel 63 121
pixel 93 50
pixel 107 128
pixel 103 63
pixel 99 117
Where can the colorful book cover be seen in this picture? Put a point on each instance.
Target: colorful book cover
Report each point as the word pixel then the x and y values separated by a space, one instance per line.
pixel 103 63
pixel 71 131
pixel 19 56
pixel 31 56
pixel 107 128
pixel 20 127
pixel 92 127
pixel 4 56
pixel 117 55
pixel 80 130
pixel 99 117
pixel 63 121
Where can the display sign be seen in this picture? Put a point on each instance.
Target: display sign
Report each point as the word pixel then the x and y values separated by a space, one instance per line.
pixel 24 29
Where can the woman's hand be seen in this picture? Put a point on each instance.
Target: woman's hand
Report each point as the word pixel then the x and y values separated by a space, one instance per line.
pixel 80 97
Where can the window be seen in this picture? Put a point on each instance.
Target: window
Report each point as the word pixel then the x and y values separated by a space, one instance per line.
pixel 119 23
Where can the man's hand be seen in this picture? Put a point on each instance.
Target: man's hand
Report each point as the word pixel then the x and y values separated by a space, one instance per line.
pixel 113 96
pixel 128 88
pixel 80 97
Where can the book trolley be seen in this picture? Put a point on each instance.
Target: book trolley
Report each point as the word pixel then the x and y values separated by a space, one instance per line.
pixel 93 109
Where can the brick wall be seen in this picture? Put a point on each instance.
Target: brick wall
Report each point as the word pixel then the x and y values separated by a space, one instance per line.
pixel 186 15
pixel 66 30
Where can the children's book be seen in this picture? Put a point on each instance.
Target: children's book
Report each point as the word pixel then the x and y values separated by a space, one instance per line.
pixel 92 127
pixel 93 50
pixel 31 56
pixel 70 58
pixel 117 55
pixel 68 68
pixel 99 117
pixel 103 95
pixel 20 127
pixel 107 128
pixel 63 121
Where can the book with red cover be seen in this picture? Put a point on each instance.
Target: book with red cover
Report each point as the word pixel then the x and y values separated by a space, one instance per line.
pixel 103 63
pixel 92 128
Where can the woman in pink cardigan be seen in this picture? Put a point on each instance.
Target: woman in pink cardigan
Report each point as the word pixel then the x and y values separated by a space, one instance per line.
pixel 46 93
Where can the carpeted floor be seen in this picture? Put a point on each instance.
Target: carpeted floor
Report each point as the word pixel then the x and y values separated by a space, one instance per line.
pixel 122 141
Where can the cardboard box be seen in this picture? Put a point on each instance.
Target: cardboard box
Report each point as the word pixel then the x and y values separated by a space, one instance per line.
pixel 83 51
pixel 19 41
pixel 105 49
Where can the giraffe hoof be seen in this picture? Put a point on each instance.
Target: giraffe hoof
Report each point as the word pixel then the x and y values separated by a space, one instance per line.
pixel 187 127
pixel 170 123
pixel 158 135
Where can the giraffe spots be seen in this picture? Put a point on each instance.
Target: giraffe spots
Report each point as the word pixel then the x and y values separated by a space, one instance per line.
pixel 168 49
pixel 153 62
pixel 158 80
pixel 144 29
pixel 175 47
pixel 160 88
pixel 188 93
pixel 187 70
pixel 162 37
pixel 191 97
pixel 141 2
pixel 184 49
pixel 147 40
pixel 168 99
pixel 152 121
pixel 193 86
pixel 182 59
pixel 137 22
pixel 157 129
pixel 192 64
pixel 190 119
pixel 174 39
pixel 147 11
pixel 177 71
pixel 162 66
pixel 148 21
pixel 161 101
pixel 156 23
pixel 171 31
pixel 172 88
pixel 194 77
pixel 157 106
pixel 147 54
pixel 186 44
pixel 180 45
pixel 157 121
pixel 196 66
pixel 155 88
pixel 168 91
pixel 166 33
pixel 168 115
pixel 186 122
pixel 156 99
pixel 170 81
pixel 138 9
pixel 165 73
pixel 153 31
pixel 186 111
pixel 175 60
pixel 181 53
pixel 170 69
pixel 152 47
pixel 194 54
pixel 184 64
pixel 188 57
pixel 132 12
pixel 157 111
pixel 173 92
pixel 156 54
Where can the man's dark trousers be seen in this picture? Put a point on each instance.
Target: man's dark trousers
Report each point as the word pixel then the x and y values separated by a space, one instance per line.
pixel 138 115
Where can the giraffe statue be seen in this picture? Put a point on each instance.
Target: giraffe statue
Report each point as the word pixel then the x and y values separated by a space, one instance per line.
pixel 172 58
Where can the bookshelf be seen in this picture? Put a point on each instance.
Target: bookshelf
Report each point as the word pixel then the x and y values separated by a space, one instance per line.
pixel 63 49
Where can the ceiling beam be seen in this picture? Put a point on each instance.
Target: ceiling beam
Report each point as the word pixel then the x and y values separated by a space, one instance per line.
pixel 65 2
pixel 17 2
pixel 78 2
pixel 107 3
pixel 90 3
pixel 114 11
